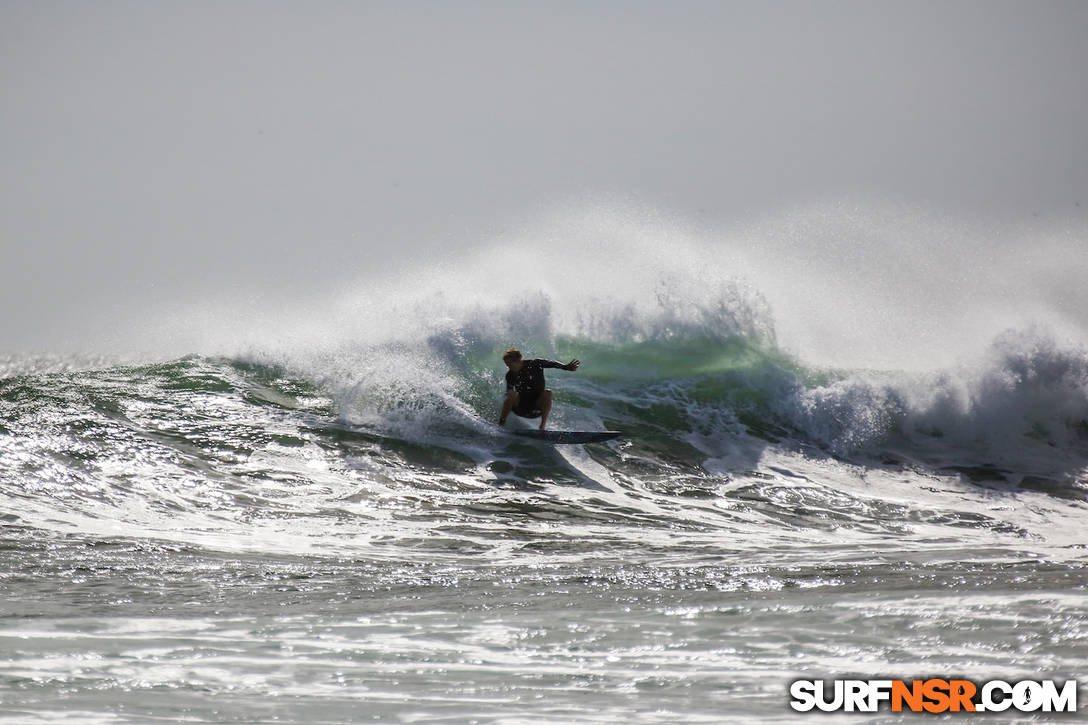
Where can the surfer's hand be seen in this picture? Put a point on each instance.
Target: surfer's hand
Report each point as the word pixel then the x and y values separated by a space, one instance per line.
pixel 572 365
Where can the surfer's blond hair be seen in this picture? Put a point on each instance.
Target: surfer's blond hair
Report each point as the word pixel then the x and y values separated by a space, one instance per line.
pixel 511 354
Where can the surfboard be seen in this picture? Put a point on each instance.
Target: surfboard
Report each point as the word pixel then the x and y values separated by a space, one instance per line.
pixel 569 436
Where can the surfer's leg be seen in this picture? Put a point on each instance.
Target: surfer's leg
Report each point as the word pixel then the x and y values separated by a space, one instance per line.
pixel 508 404
pixel 528 404
pixel 544 403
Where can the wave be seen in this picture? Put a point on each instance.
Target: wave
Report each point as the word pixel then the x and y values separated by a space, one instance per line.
pixel 690 382
pixel 1024 404
pixel 710 363
pixel 724 434
pixel 389 393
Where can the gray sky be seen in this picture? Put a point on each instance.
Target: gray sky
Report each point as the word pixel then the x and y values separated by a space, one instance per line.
pixel 154 151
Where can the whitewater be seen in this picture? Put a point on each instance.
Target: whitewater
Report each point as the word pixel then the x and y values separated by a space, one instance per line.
pixel 303 511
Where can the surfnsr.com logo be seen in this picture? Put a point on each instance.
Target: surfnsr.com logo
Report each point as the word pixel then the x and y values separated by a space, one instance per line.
pixel 933 695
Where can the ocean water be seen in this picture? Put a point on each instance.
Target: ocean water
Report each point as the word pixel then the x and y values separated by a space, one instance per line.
pixel 317 521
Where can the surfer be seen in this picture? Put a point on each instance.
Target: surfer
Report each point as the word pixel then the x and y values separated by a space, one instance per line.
pixel 526 395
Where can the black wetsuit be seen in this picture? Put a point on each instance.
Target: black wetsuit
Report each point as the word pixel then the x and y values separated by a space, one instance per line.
pixel 529 382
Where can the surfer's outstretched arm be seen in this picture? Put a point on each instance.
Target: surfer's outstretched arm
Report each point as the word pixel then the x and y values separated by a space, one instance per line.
pixel 508 405
pixel 570 367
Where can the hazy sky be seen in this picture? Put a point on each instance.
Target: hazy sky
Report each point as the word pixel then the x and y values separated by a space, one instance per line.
pixel 157 149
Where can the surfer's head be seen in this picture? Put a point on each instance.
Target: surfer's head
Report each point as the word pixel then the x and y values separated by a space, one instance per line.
pixel 512 358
